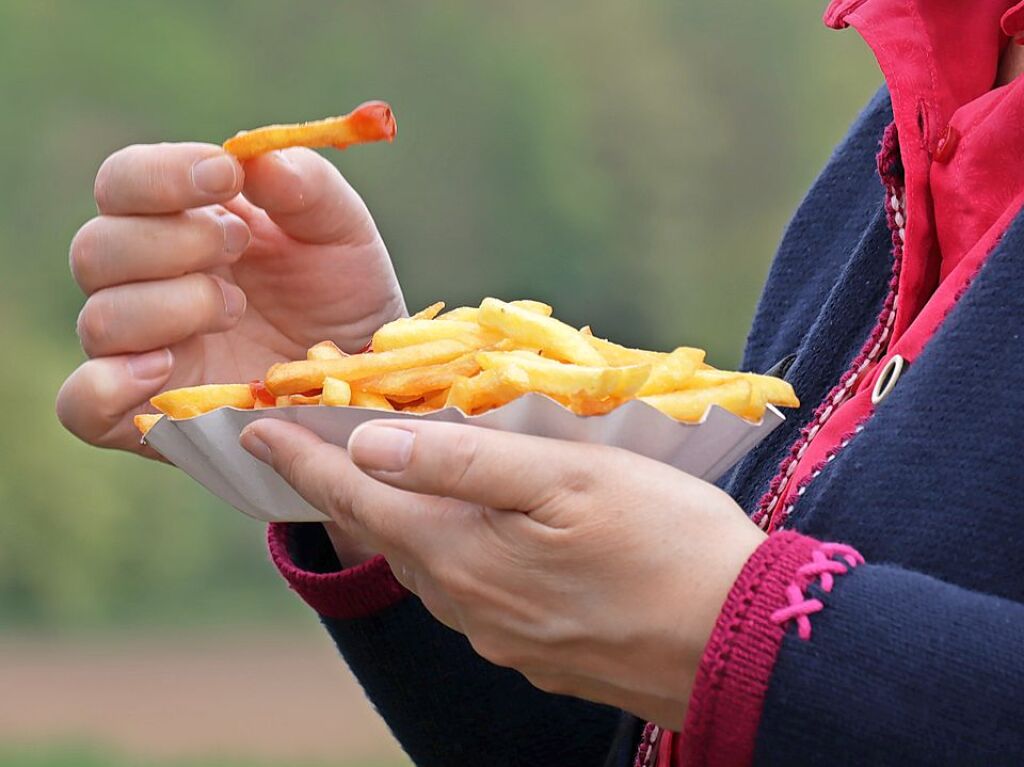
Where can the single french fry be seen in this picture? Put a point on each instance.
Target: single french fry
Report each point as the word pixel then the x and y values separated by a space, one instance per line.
pixel 776 391
pixel 146 421
pixel 429 312
pixel 672 371
pixel 486 391
pixel 436 400
pixel 196 400
pixel 690 405
pixel 472 313
pixel 325 350
pixel 408 332
pixel 614 354
pixel 362 398
pixel 336 392
pixel 555 338
pixel 291 400
pixel 567 380
pixel 307 375
pixel 372 121
pixel 415 382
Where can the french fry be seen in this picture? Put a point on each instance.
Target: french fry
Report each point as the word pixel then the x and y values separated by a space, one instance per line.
pixel 429 312
pixel 292 400
pixel 325 350
pixel 408 332
pixel 146 421
pixel 690 405
pixel 196 400
pixel 372 121
pixel 362 398
pixel 776 391
pixel 555 338
pixel 306 375
pixel 482 392
pixel 472 313
pixel 336 392
pixel 672 371
pixel 614 354
pixel 566 380
pixel 415 382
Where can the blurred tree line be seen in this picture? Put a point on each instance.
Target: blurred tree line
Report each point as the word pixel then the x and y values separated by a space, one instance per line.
pixel 631 163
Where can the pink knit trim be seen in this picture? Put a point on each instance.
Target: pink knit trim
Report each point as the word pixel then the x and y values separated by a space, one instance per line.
pixel 355 592
pixel 769 514
pixel 732 679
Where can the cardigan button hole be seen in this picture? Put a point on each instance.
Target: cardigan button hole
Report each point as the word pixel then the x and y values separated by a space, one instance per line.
pixel 887 378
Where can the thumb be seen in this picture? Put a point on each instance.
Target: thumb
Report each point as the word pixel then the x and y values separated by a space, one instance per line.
pixel 308 198
pixel 325 477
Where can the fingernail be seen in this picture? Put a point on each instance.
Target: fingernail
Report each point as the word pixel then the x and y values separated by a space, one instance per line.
pixel 381 448
pixel 236 234
pixel 234 298
pixel 256 446
pixel 215 175
pixel 151 365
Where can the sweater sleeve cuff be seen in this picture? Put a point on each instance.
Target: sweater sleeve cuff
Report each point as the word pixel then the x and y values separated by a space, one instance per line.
pixel 304 556
pixel 732 678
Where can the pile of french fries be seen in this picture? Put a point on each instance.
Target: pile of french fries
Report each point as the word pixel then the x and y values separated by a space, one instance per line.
pixel 480 358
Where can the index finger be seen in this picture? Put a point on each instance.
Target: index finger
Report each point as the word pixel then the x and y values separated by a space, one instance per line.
pixel 498 469
pixel 166 178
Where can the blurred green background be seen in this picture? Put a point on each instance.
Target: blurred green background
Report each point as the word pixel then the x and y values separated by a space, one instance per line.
pixel 631 163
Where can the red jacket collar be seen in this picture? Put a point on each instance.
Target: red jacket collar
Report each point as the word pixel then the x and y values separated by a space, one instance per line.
pixel 940 62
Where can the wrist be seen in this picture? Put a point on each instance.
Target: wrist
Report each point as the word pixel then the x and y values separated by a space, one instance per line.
pixel 350 552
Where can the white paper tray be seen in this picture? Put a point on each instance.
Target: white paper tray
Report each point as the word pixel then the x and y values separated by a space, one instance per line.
pixel 207 449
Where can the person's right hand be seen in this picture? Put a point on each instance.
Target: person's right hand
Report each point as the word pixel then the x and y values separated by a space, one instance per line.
pixel 201 270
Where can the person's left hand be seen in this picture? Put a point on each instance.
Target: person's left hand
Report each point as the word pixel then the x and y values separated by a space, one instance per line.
pixel 593 571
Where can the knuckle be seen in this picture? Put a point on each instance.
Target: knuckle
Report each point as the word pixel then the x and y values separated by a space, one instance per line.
pixel 205 297
pixel 461 456
pixel 104 187
pixel 82 253
pixel 93 324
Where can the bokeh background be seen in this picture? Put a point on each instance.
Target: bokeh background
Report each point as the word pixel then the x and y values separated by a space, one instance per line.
pixel 631 163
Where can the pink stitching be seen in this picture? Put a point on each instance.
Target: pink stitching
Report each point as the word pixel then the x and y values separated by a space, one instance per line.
pixel 823 567
pixel 798 609
pixel 766 515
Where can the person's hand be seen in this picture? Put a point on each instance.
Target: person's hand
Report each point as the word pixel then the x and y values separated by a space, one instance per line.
pixel 593 571
pixel 202 270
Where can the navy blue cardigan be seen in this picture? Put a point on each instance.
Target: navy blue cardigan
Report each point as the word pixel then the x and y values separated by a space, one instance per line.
pixel 919 656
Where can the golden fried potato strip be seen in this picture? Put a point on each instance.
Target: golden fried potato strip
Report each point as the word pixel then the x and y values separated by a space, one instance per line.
pixel 196 400
pixel 372 121
pixel 553 337
pixel 690 405
pixel 146 421
pixel 325 350
pixel 409 332
pixel 533 373
pixel 415 382
pixel 307 375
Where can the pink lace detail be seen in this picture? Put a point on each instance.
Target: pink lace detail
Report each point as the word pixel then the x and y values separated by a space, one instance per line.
pixel 823 567
pixel 768 515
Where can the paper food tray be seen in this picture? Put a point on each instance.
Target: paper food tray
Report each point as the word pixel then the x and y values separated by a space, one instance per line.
pixel 207 448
